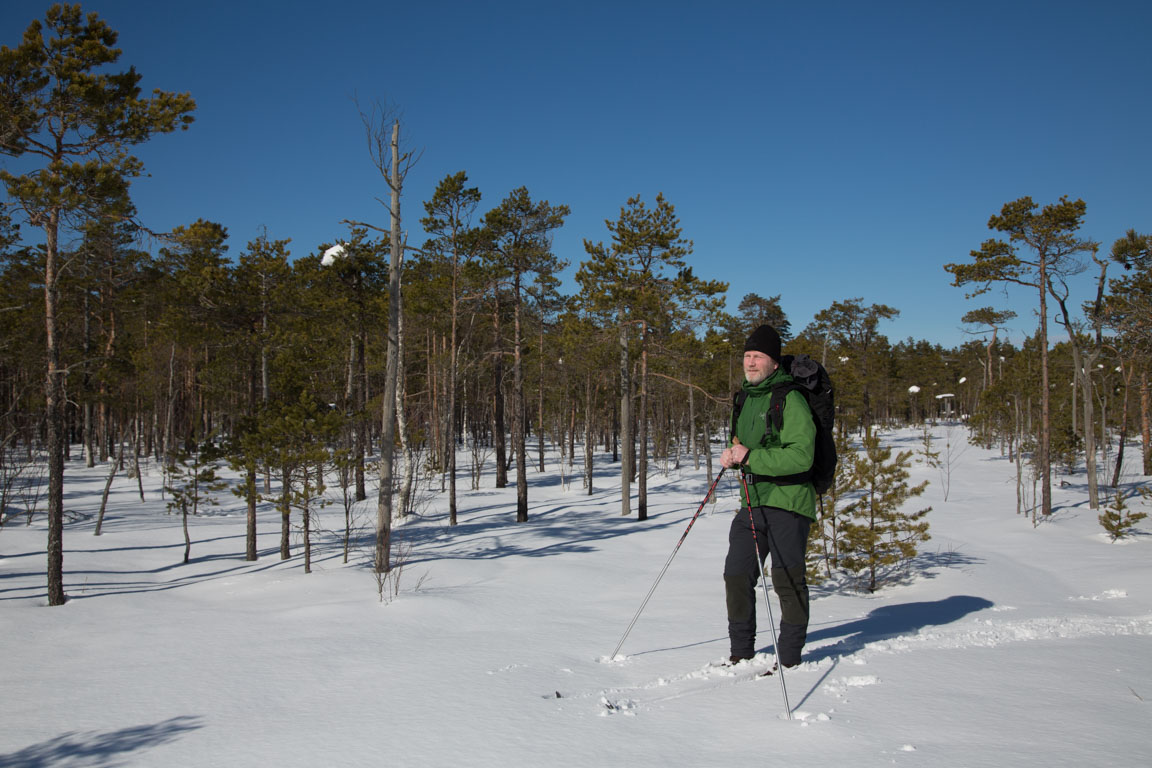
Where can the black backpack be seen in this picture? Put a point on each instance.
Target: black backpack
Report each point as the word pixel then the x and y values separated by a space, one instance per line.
pixel 809 378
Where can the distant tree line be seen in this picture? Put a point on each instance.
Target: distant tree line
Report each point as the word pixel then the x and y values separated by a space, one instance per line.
pixel 120 344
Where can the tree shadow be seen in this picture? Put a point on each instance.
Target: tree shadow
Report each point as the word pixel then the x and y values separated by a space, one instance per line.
pixel 577 523
pixel 87 583
pixel 94 749
pixel 889 621
pixel 925 565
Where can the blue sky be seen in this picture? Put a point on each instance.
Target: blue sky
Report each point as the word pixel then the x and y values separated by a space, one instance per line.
pixel 817 150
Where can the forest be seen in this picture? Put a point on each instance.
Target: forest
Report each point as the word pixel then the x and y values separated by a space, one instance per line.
pixel 376 362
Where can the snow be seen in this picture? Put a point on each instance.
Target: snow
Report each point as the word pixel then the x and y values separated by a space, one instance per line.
pixel 331 254
pixel 1008 644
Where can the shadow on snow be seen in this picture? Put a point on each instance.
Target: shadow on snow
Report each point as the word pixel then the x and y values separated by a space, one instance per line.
pixel 890 621
pixel 96 749
pixel 558 528
pixel 488 531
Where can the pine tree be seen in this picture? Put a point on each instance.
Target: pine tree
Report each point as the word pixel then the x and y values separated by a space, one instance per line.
pixel 1117 520
pixel 454 243
pixel 193 483
pixel 880 537
pixel 60 105
pixel 292 439
pixel 854 328
pixel 103 288
pixel 1040 253
pixel 643 279
pixel 518 235
pixel 754 310
pixel 351 279
pixel 1128 309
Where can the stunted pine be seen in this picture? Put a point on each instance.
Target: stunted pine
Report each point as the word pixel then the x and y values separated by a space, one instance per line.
pixel 879 538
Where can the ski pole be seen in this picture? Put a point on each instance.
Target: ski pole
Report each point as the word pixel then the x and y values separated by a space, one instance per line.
pixel 668 563
pixel 767 601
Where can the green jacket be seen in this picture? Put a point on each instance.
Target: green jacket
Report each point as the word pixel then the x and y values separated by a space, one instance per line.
pixel 786 452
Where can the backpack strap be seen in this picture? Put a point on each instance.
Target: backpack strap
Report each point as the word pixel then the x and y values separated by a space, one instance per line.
pixel 738 399
pixel 776 403
pixel 776 415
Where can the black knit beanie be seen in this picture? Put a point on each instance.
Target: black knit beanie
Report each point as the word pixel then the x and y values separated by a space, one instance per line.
pixel 764 339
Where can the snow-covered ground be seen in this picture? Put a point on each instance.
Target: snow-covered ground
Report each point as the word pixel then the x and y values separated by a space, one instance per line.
pixel 1009 646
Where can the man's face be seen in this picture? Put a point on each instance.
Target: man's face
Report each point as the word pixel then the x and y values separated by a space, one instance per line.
pixel 757 366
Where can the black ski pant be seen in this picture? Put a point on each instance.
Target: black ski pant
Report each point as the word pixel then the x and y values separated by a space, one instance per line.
pixel 783 535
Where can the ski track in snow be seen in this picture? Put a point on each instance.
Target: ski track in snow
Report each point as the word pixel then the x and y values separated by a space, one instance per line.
pixel 978 633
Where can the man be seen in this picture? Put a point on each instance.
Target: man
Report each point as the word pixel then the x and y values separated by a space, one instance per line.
pixel 781 507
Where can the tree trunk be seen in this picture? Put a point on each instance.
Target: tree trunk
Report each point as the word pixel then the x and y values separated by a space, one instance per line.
pixel 1021 507
pixel 383 562
pixel 642 431
pixel 498 403
pixel 306 519
pixel 589 449
pixel 1145 421
pixel 360 399
pixel 54 414
pixel 519 412
pixel 572 430
pixel 136 440
pixel 170 405
pixel 265 386
pixel 250 496
pixel 540 405
pixel 87 423
pixel 187 536
pixel 694 432
pixel 1044 459
pixel 1083 362
pixel 108 484
pixel 1084 381
pixel 451 428
pixel 285 514
pixel 625 423
pixel 402 423
pixel 434 442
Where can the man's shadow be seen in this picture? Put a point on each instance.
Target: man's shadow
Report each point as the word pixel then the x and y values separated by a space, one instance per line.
pixel 890 621
pixel 886 622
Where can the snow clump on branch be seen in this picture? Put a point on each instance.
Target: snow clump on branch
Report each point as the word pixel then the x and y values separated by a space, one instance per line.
pixel 333 253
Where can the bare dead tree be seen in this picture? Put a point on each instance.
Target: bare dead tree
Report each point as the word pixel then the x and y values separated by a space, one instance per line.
pixel 382 130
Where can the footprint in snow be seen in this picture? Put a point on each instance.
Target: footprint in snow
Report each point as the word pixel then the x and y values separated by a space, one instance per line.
pixel 617 707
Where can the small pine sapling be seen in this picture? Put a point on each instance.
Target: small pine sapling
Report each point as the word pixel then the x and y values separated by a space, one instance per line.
pixel 192 481
pixel 928 456
pixel 1117 519
pixel 879 537
pixel 346 461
